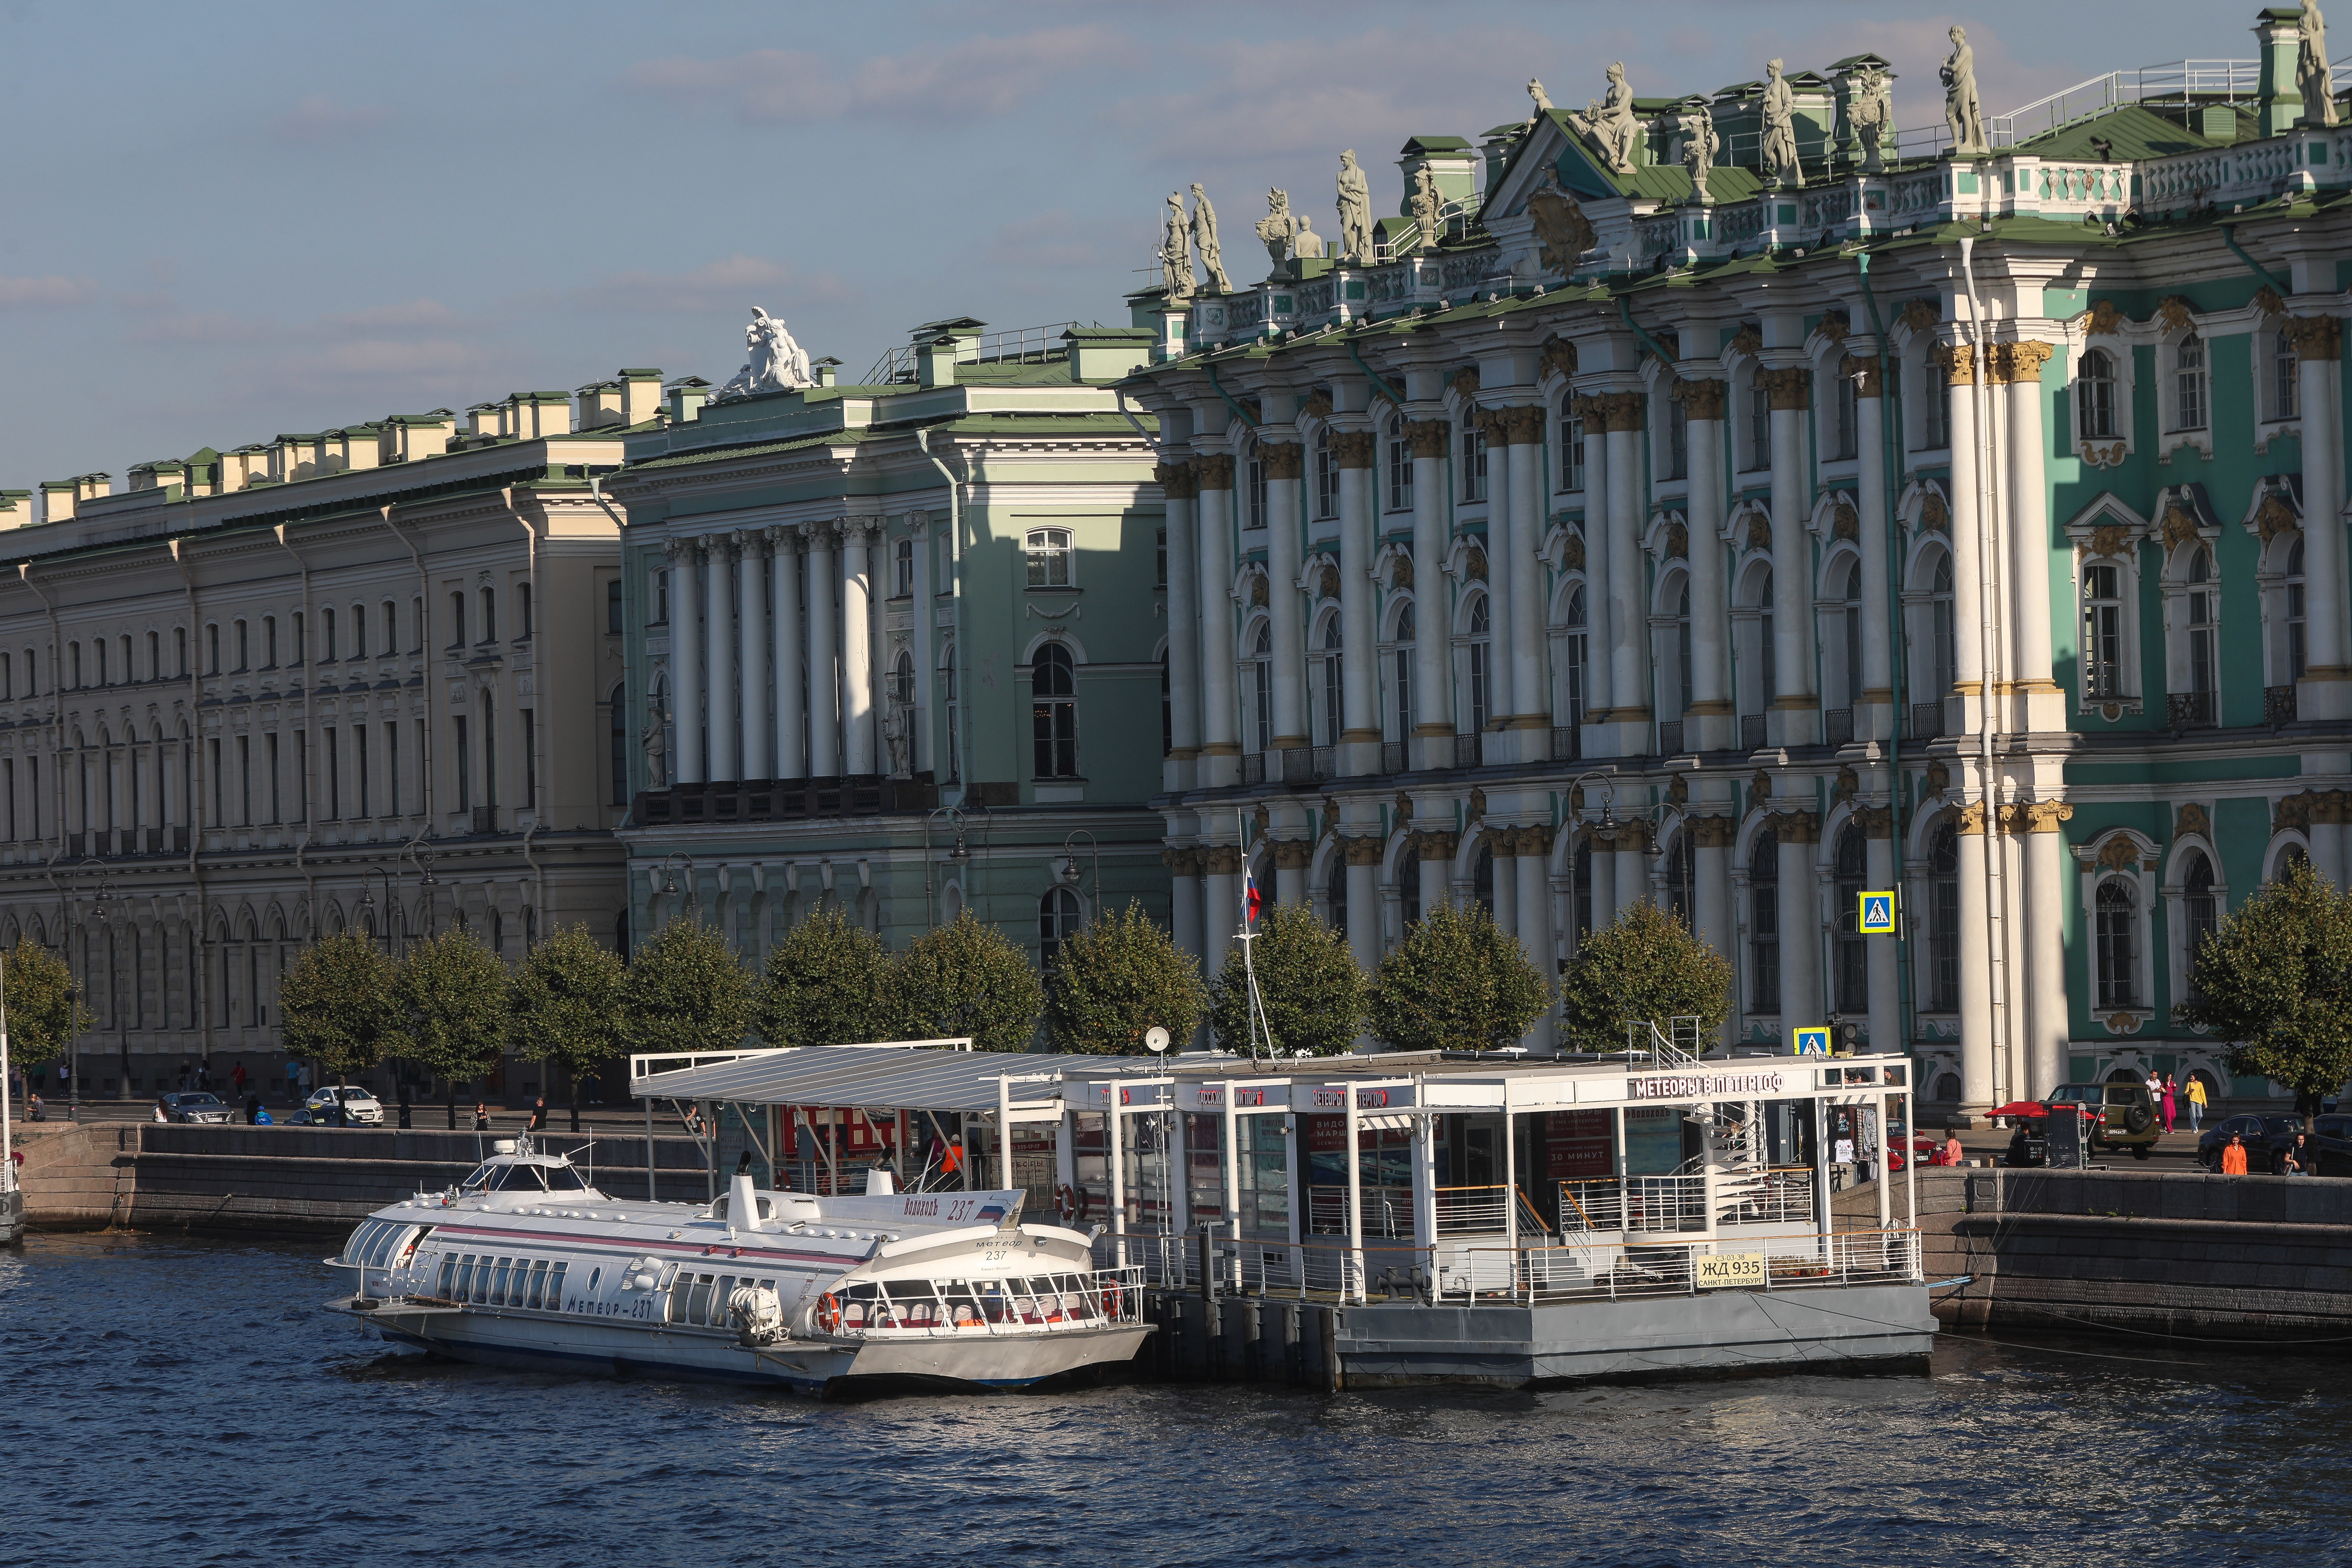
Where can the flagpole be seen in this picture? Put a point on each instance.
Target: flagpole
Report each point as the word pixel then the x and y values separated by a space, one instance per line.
pixel 1258 1018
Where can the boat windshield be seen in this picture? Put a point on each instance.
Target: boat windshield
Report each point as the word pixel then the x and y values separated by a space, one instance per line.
pixel 492 1176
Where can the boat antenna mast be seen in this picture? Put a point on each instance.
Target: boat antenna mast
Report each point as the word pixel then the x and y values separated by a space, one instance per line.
pixel 1247 934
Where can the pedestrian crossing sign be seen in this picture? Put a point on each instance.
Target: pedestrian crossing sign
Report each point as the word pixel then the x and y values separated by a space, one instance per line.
pixel 1877 914
pixel 1812 1042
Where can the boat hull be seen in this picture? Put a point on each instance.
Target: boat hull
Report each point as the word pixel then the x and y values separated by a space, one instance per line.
pixel 810 1366
pixel 12 1216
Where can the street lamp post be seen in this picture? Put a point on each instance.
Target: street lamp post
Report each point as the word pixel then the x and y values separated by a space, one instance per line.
pixel 669 879
pixel 422 858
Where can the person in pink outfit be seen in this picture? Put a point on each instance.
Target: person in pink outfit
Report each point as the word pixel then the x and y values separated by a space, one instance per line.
pixel 2171 1101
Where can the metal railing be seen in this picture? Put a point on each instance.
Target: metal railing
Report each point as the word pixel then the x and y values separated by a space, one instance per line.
pixel 1465 751
pixel 1567 742
pixel 1837 726
pixel 1670 737
pixel 1635 1203
pixel 1040 1304
pixel 2192 709
pixel 1387 1212
pixel 2183 82
pixel 1926 720
pixel 1392 756
pixel 2278 705
pixel 1016 345
pixel 1751 732
pixel 1252 767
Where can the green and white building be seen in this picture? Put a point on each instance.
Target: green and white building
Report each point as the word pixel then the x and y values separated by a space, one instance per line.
pixel 1875 515
pixel 896 648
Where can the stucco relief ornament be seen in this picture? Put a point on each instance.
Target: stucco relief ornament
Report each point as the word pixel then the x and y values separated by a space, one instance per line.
pixel 1175 249
pixel 1781 160
pixel 1355 211
pixel 777 363
pixel 1563 231
pixel 1700 144
pixel 1963 117
pixel 1608 124
pixel 1204 235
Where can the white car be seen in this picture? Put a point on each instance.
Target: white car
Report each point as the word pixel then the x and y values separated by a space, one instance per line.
pixel 361 1109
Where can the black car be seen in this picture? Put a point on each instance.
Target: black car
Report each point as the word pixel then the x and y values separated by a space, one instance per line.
pixel 2267 1140
pixel 194 1105
pixel 2332 1137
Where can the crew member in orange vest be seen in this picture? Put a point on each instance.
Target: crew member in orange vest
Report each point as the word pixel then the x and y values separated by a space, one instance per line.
pixel 951 1159
pixel 2233 1158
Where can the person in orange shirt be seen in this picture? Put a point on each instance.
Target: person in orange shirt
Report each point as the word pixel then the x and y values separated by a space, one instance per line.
pixel 2233 1158
pixel 1951 1152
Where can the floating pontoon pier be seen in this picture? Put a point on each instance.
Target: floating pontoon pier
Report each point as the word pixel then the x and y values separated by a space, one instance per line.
pixel 1487 1219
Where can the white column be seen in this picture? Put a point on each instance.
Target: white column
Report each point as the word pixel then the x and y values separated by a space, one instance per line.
pixel 1603 894
pixel 1284 562
pixel 1632 877
pixel 1878 628
pixel 1535 917
pixel 1882 957
pixel 922 745
pixel 1800 928
pixel 2040 705
pixel 1967 643
pixel 1788 390
pixel 1711 895
pixel 2045 935
pixel 785 587
pixel 1710 614
pixel 1185 904
pixel 1363 900
pixel 1502 845
pixel 1976 967
pixel 1219 905
pixel 1433 687
pixel 1180 484
pixel 1521 575
pixel 1628 609
pixel 1599 475
pixel 1500 602
pixel 752 635
pixel 857 648
pixel 2326 691
pixel 1220 712
pixel 685 660
pixel 718 645
pixel 1360 685
pixel 824 656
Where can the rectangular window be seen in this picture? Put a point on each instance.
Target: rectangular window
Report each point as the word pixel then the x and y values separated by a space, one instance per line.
pixel 269 752
pixel 359 631
pixel 612 607
pixel 392 768
pixel 1159 578
pixel 179 653
pixel 1935 404
pixel 489 754
pixel 661 597
pixel 359 765
pixel 243 652
pixel 2284 366
pixel 456 620
pixel 1474 465
pixel 1400 470
pixel 2102 625
pixel 5 690
pixel 334 781
pixel 299 650
pixel 1677 441
pixel 465 774
pixel 1049 558
pixel 1256 517
pixel 73 663
pixel 489 616
pixel 245 781
pixel 1327 480
pixel 8 784
pixel 97 658
pixel 1759 427
pixel 327 654
pixel 902 568
pixel 269 642
pixel 529 758
pixel 1849 417
pixel 522 612
pixel 213 757
pixel 2188 384
pixel 302 768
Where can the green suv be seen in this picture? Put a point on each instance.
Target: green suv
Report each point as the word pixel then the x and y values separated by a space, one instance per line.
pixel 2122 1113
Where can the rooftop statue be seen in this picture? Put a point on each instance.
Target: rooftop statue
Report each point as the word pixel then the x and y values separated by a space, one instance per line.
pixel 1278 228
pixel 1609 123
pixel 1872 111
pixel 2311 72
pixel 1204 235
pixel 1780 161
pixel 1962 114
pixel 1562 230
pixel 1175 249
pixel 1306 242
pixel 1700 144
pixel 777 364
pixel 1355 212
pixel 1543 102
pixel 1428 210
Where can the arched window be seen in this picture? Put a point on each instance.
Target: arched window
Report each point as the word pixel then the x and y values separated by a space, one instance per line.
pixel 902 569
pixel 1582 893
pixel 2188 384
pixel 1943 650
pixel 1845 437
pixel 1764 924
pixel 1335 894
pixel 1935 403
pixel 359 626
pixel 1476 651
pixel 1851 869
pixel 1677 440
pixel 2200 913
pixel 1256 476
pixel 947 693
pixel 1571 445
pixel 2298 661
pixel 1682 877
pixel 2283 365
pixel 1759 424
pixel 1326 477
pixel 1851 590
pixel 620 742
pixel 1944 920
pixel 2204 639
pixel 1399 455
pixel 2095 397
pixel 902 680
pixel 1400 680
pixel 1332 677
pixel 1053 713
pixel 1262 685
pixel 2103 630
pixel 1057 922
pixel 1474 461
pixel 1482 878
pixel 1575 661
pixel 1049 554
pixel 1682 647
pixel 2290 856
pixel 1409 885
pixel 2115 910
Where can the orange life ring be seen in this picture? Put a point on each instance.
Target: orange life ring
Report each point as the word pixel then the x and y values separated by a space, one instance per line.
pixel 828 1313
pixel 1065 1203
pixel 1113 1299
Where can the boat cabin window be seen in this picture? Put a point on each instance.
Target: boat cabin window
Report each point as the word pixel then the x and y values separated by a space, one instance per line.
pixel 719 1206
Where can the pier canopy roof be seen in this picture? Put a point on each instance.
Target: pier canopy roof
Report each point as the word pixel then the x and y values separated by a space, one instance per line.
pixel 947 1075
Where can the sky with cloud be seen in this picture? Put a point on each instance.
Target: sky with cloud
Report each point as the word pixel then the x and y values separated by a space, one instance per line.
pixel 228 224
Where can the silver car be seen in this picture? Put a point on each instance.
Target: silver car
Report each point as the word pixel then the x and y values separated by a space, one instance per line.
pixel 361 1109
pixel 194 1105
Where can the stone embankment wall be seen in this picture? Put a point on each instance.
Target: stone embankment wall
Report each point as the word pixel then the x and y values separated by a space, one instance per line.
pixel 2225 1258
pixel 145 1175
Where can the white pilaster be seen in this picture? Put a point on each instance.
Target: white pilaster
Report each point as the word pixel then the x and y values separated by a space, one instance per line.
pixel 823 657
pixel 1976 966
pixel 1284 562
pixel 752 635
pixel 1712 721
pixel 686 659
pixel 1359 686
pixel 1968 652
pixel 2045 937
pixel 1794 717
pixel 1219 710
pixel 718 645
pixel 1432 694
pixel 1521 577
pixel 792 717
pixel 2325 692
pixel 857 648
pixel 2039 704
pixel 1876 719
pixel 1628 618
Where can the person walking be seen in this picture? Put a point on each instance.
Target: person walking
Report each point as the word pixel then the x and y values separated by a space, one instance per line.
pixel 2234 1157
pixel 538 1115
pixel 482 1116
pixel 162 1109
pixel 2196 1101
pixel 2171 1101
pixel 237 1075
pixel 2295 1160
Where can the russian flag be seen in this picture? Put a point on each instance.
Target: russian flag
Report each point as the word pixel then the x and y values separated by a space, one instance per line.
pixel 1250 899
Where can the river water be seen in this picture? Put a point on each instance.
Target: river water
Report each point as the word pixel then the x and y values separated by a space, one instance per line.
pixel 176 1401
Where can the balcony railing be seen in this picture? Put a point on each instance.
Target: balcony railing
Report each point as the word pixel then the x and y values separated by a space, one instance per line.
pixel 1252 767
pixel 2192 709
pixel 1465 751
pixel 1323 761
pixel 1392 756
pixel 1670 737
pixel 1567 742
pixel 1926 720
pixel 1837 726
pixel 1751 732
pixel 2278 705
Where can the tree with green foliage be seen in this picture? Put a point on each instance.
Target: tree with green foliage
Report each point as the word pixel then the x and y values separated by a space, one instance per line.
pixel 1114 981
pixel 43 1015
pixel 2276 980
pixel 1313 992
pixel 1457 982
pixel 685 994
pixel 335 1003
pixel 1648 966
pixel 451 990
pixel 966 978
pixel 827 984
pixel 564 1005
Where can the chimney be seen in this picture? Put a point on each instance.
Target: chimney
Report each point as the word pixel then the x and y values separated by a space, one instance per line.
pixel 242 466
pixel 355 447
pixel 600 405
pixel 294 458
pixel 486 419
pixel 542 413
pixel 827 371
pixel 410 436
pixel 935 361
pixel 16 509
pixel 641 396
pixel 58 501
pixel 90 487
pixel 158 475
pixel 688 394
